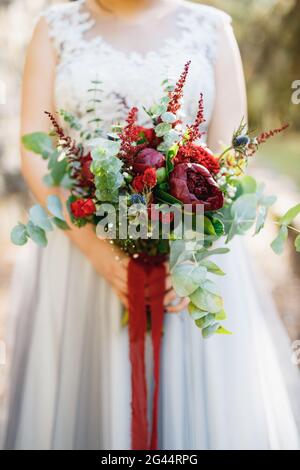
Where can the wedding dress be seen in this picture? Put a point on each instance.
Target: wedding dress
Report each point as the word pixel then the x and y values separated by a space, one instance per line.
pixel 70 372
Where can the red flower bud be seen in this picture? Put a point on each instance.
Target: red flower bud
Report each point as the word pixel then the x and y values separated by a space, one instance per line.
pixel 138 184
pixel 148 158
pixel 149 177
pixel 82 208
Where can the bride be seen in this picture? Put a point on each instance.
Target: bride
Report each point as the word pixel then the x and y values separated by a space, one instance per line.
pixel 70 371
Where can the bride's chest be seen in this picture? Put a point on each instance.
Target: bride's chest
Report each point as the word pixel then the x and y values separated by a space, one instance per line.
pixel 131 79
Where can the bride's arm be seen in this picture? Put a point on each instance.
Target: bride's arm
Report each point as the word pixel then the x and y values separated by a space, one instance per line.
pixel 37 97
pixel 231 102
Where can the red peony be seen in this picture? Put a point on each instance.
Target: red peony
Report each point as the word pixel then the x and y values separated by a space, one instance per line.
pixel 148 158
pixel 83 208
pixel 192 153
pixel 192 183
pixel 138 184
pixel 149 177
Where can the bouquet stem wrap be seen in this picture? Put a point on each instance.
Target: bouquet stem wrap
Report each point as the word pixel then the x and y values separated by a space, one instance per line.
pixel 145 272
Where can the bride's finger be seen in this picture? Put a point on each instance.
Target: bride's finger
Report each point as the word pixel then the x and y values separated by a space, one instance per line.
pixel 170 297
pixel 183 303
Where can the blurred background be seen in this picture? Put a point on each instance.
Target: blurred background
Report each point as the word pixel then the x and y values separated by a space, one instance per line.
pixel 268 32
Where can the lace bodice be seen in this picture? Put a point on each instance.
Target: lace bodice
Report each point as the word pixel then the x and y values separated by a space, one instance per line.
pixel 132 78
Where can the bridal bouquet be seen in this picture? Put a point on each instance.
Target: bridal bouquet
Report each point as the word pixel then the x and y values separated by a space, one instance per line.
pixel 146 177
pixel 157 193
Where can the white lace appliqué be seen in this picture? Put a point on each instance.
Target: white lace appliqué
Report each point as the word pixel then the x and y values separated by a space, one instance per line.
pixel 132 79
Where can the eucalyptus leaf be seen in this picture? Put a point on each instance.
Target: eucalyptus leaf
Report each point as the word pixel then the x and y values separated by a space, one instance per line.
pixel 36 234
pixel 60 223
pixel 221 315
pixel 39 217
pixel 222 331
pixel 212 267
pixel 268 200
pixel 178 253
pixel 195 312
pixel 210 330
pixel 249 184
pixel 206 253
pixel 38 142
pixel 162 129
pixel 204 299
pixel 206 321
pixel 243 211
pixel 261 218
pixel 54 206
pixel 186 278
pixel 278 244
pixel 168 117
pixel 19 235
pixel 290 215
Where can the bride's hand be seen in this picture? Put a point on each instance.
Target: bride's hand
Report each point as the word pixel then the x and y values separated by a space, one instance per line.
pixel 112 264
pixel 171 296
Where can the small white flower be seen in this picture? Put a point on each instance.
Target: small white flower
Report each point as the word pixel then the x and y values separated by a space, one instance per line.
pixel 231 190
pixel 222 180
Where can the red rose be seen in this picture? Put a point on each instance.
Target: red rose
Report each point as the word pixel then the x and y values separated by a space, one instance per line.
pixel 148 133
pixel 138 184
pixel 83 208
pixel 149 177
pixel 193 184
pixel 148 158
pixel 192 153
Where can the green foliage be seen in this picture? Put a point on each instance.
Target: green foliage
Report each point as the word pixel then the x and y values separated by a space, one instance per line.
pixel 38 142
pixel 284 223
pixel 162 129
pixel 19 235
pixel 55 208
pixel 278 244
pixel 37 234
pixel 39 218
pixel 107 170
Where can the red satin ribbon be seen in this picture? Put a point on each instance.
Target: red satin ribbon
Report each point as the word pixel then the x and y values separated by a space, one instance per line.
pixel 141 275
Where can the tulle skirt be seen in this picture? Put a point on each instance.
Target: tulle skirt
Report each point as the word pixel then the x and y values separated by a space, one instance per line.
pixel 70 384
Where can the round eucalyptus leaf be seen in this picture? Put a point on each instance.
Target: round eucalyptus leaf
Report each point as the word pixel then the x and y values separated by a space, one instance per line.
pixel 19 235
pixel 39 217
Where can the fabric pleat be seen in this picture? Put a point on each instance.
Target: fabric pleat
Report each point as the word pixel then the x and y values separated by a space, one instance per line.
pixel 70 382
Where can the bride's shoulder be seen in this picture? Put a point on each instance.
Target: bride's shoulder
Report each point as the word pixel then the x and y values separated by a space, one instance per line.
pixel 208 12
pixel 61 12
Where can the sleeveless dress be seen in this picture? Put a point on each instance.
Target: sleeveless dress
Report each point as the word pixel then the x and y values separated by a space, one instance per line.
pixel 70 384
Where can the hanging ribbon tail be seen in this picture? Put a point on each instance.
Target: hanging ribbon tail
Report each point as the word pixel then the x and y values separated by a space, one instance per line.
pixel 137 331
pixel 157 273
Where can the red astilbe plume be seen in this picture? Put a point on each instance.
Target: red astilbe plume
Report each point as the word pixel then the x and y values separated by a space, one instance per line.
pixel 129 135
pixel 79 163
pixel 69 145
pixel 194 129
pixel 176 95
pixel 264 136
